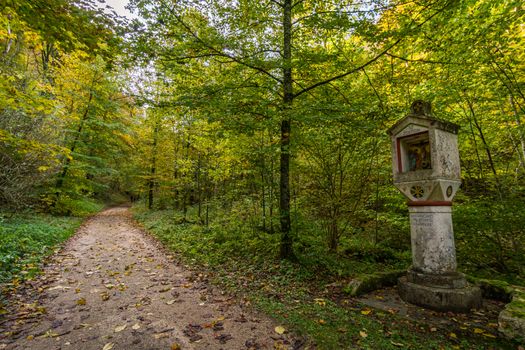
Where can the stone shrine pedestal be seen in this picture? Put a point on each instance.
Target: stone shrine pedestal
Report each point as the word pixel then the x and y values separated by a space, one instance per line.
pixel 426 169
pixel 433 281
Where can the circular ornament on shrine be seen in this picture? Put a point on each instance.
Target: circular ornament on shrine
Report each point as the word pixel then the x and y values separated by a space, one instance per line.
pixel 417 191
pixel 449 191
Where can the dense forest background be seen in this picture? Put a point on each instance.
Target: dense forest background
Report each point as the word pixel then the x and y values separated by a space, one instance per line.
pixel 261 125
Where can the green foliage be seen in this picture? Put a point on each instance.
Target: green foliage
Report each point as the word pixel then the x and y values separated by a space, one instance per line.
pixel 25 239
pixel 489 236
pixel 79 207
pixel 64 118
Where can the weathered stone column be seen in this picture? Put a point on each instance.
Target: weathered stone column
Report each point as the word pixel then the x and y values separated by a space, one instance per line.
pixel 426 169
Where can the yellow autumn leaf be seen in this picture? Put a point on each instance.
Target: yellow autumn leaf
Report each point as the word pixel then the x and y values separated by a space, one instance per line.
pixel 280 330
pixel 397 344
pixel 453 335
pixel 50 334
pixel 363 334
pixel 120 328
pixel 108 346
pixel 81 301
pixel 366 311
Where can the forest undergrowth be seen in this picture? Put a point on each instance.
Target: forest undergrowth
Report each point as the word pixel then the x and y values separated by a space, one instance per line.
pixel 305 294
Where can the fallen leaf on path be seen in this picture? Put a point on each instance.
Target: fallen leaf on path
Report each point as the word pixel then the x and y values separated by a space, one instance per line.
pixel 161 335
pixel 321 321
pixel 397 344
pixel 81 301
pixel 366 311
pixel 135 326
pixel 120 328
pixel 363 334
pixel 108 346
pixel 489 335
pixel 50 334
pixel 175 346
pixel 280 330
pixel 278 345
pixel 223 338
pixel 170 302
pixel 218 327
pixel 59 287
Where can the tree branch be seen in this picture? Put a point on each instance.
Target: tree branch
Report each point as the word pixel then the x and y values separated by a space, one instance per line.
pixel 277 3
pixel 324 82
pixel 419 60
pixel 384 52
pixel 219 52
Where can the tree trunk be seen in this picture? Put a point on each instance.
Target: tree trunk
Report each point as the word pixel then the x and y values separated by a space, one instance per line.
pixel 199 189
pixel 284 184
pixel 153 170
pixel 521 134
pixel 487 148
pixel 271 189
pixel 63 174
pixel 263 184
pixel 10 40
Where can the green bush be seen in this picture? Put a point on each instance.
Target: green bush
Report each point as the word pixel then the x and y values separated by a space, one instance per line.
pixel 76 206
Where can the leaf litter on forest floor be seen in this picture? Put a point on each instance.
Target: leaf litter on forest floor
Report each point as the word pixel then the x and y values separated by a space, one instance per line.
pixel 120 328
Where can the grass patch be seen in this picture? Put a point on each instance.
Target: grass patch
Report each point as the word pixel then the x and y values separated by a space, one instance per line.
pixel 25 239
pixel 243 261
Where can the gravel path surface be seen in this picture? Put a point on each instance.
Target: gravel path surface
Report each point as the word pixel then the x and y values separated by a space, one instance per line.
pixel 113 287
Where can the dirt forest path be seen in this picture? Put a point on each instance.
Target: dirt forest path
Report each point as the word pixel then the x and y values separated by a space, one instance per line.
pixel 113 287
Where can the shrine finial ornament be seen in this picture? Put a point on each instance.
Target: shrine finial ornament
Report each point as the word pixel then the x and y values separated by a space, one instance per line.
pixel 421 108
